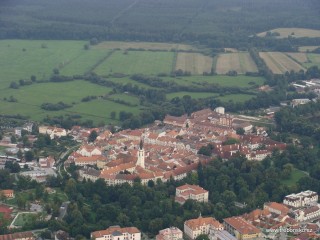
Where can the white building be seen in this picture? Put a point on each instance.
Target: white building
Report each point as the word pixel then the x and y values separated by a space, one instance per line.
pixel 89 151
pixel 195 227
pixel 307 214
pixel 172 233
pixel 301 199
pixel 296 102
pixel 193 192
pixel 117 233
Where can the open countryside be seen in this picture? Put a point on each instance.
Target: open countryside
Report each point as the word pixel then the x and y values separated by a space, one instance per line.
pixel 143 45
pixel 134 62
pixel 307 48
pixel 293 32
pixel 280 63
pixel 240 62
pixel 195 63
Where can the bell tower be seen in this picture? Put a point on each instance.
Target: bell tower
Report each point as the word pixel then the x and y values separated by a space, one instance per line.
pixel 141 155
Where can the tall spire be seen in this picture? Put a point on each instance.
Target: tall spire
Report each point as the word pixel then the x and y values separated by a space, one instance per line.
pixel 141 145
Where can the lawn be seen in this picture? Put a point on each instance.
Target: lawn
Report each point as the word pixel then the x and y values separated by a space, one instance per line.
pixel 23 218
pixel 296 175
pixel 19 59
pixel 134 62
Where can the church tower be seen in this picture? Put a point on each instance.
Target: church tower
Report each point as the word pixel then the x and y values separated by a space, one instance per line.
pixel 140 155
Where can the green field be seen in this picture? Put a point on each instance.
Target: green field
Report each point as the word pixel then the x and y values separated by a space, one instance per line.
pixel 125 97
pixel 296 175
pixel 314 60
pixel 191 94
pixel 133 62
pixel 223 81
pixel 99 110
pixel 24 218
pixel 19 59
pixel 31 97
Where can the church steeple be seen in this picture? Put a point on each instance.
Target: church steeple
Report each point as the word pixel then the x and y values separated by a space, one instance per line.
pixel 140 155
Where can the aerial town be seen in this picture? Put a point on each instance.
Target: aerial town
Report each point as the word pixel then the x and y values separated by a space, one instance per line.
pixel 166 150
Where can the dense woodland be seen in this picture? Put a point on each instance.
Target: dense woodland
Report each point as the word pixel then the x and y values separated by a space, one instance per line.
pixel 229 23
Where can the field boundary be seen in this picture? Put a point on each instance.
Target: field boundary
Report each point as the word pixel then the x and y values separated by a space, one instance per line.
pixel 295 60
pixel 100 61
pixel 174 61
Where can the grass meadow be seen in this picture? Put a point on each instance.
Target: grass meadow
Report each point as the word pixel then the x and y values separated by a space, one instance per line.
pixel 296 175
pixel 30 98
pixel 20 59
pixel 221 80
pixel 134 62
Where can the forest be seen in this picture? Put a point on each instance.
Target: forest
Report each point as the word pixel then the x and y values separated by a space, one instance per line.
pixel 229 23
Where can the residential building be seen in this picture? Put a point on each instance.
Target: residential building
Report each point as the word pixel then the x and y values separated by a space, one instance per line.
pixel 117 233
pixel 172 233
pixel 241 229
pixel 8 193
pixel 301 199
pixel 306 214
pixel 193 192
pixel 277 208
pixel 296 102
pixel 201 225
pixel 47 162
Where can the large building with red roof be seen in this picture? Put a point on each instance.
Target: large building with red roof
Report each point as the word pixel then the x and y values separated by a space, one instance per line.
pixel 201 225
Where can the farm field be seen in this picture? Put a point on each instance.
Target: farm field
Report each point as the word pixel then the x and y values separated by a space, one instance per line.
pixel 307 48
pixel 306 59
pixel 99 110
pixel 195 63
pixel 19 59
pixel 83 62
pixel 314 60
pixel 134 62
pixel 240 81
pixel 142 45
pixel 297 32
pixel 30 98
pixel 280 63
pixel 240 62
pixel 300 57
pixel 191 94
